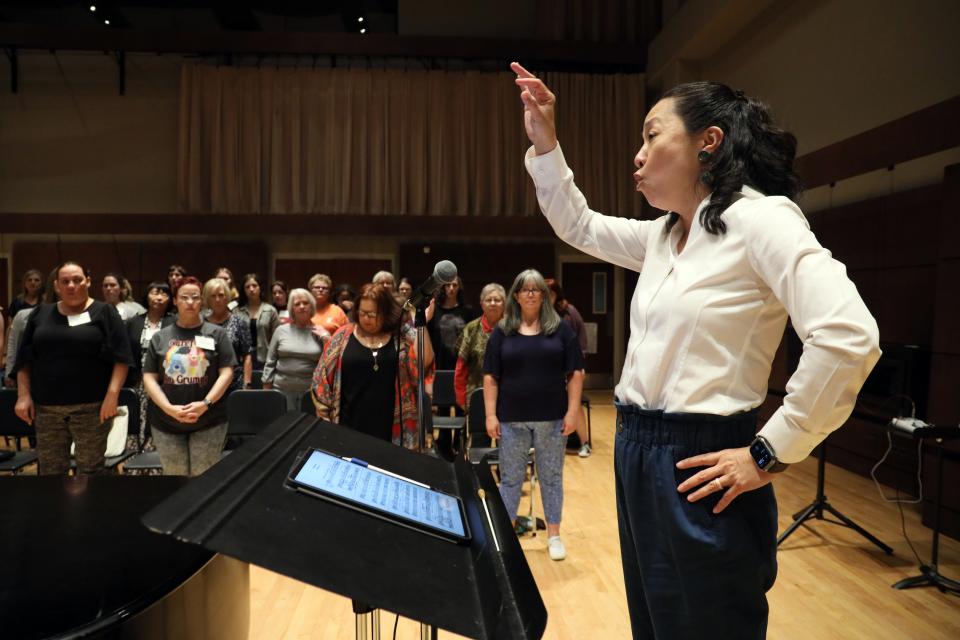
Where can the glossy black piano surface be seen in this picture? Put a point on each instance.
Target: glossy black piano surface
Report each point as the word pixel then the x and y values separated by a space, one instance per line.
pixel 76 561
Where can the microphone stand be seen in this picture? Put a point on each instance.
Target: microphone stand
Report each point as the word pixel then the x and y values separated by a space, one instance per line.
pixel 419 323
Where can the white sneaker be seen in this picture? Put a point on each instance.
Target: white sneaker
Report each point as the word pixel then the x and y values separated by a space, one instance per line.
pixel 557 550
pixel 585 450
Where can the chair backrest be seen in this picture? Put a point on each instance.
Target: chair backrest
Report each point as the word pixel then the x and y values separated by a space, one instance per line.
pixel 306 403
pixel 10 424
pixel 477 416
pixel 444 394
pixel 249 411
pixel 128 398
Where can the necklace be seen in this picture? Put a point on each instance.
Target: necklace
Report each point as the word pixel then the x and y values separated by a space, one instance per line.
pixel 367 341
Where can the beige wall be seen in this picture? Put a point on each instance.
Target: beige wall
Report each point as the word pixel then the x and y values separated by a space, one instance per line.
pixel 70 143
pixel 829 70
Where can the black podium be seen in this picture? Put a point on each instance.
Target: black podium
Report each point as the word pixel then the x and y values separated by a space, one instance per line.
pixel 242 509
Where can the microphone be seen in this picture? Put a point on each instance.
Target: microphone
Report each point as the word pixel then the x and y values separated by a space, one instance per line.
pixel 444 272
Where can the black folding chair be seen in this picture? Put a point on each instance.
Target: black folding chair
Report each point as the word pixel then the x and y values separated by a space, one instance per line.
pixel 477 431
pixel 444 399
pixel 13 427
pixel 249 411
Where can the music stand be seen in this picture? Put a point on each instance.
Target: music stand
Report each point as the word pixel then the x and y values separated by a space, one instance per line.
pixel 814 511
pixel 930 575
pixel 241 508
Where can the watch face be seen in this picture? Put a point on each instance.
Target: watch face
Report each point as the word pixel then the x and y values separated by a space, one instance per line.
pixel 761 454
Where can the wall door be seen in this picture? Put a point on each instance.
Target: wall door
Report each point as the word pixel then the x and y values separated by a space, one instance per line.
pixel 589 287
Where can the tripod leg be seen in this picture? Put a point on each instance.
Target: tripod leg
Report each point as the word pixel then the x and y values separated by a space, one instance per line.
pixel 853 525
pixel 915 581
pixel 798 520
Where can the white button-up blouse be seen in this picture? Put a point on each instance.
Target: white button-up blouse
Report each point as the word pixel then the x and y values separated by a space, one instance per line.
pixel 705 323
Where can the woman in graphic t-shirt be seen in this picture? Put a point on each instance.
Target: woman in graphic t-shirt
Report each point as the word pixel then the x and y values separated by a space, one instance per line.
pixel 187 368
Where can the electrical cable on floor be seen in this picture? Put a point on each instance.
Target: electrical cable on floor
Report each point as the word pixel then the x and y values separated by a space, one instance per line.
pixel 396 621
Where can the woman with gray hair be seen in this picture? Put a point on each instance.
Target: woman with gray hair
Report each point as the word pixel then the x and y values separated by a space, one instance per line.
pixel 386 280
pixel 532 384
pixel 472 345
pixel 295 350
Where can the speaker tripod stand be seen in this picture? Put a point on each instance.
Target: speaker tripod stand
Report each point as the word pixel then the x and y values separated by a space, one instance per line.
pixel 930 575
pixel 815 510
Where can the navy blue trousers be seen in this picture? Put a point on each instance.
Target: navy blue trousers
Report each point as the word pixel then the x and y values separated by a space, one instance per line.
pixel 690 573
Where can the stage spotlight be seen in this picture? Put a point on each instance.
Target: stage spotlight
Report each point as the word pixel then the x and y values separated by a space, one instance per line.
pixel 363 30
pixel 106 22
pixel 93 7
pixel 360 19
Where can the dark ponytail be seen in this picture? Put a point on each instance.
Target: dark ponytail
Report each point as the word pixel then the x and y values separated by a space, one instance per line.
pixel 754 151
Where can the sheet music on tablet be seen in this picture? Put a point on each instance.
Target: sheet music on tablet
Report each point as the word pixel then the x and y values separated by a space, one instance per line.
pixel 368 487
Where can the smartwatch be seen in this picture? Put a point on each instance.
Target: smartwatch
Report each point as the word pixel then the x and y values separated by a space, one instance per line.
pixel 207 402
pixel 765 457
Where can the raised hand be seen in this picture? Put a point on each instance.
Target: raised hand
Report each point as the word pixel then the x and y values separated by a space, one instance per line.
pixel 538 110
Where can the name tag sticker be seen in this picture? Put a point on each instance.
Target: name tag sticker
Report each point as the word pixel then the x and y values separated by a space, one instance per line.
pixel 232 305
pixel 205 342
pixel 79 319
pixel 284 314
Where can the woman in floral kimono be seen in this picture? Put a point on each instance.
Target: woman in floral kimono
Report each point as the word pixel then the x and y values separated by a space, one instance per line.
pixel 367 376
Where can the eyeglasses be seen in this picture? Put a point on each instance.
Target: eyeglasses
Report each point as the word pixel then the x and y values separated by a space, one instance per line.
pixel 531 292
pixel 370 315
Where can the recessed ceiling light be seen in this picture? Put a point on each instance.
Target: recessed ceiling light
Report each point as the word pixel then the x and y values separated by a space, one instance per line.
pixel 93 7
pixel 106 22
pixel 363 30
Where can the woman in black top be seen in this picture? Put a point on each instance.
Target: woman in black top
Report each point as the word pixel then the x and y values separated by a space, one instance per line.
pixel 32 293
pixel 140 330
pixel 533 378
pixel 445 322
pixel 186 371
pixel 72 361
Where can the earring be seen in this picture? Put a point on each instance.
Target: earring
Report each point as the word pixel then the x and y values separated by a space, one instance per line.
pixel 704 156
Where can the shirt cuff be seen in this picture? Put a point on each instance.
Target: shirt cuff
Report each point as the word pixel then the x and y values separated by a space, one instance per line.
pixel 548 169
pixel 790 443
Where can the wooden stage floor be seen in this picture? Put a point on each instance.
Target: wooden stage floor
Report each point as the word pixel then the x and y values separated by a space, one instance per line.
pixel 832 583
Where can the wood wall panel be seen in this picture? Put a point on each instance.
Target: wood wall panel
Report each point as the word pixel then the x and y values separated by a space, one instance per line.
pixel 950 214
pixel 943 403
pixel 142 262
pixel 946 318
pixel 296 272
pixel 905 306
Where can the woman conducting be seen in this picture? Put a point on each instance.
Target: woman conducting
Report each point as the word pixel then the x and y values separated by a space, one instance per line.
pixel 295 350
pixel 367 376
pixel 719 274
pixel 186 371
pixel 72 361
pixel 533 378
